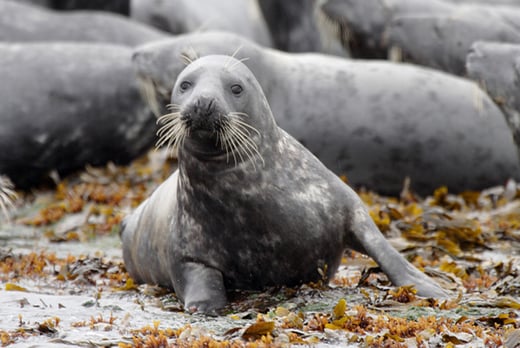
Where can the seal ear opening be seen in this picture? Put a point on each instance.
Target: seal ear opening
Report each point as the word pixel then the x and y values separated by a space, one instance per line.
pixel 189 55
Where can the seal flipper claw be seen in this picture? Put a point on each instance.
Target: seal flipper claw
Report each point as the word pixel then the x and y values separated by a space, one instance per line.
pixel 202 288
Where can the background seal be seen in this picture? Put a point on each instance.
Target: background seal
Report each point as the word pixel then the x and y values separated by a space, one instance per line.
pixel 375 121
pixel 65 105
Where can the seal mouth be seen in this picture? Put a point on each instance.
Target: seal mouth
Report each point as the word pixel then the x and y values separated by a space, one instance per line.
pixel 226 136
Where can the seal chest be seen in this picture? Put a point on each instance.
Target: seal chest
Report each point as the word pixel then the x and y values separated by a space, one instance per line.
pixel 252 206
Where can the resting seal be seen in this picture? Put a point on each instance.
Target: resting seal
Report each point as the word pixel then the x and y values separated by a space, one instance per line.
pixel 242 17
pixel 435 33
pixel 21 22
pixel 297 26
pixel 66 105
pixel 363 23
pixel 496 66
pixel 249 206
pixel 375 121
pixel 443 41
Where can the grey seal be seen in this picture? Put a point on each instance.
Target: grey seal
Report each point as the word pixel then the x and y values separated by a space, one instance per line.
pixel 298 26
pixel 249 206
pixel 117 6
pixel 487 2
pixel 426 31
pixel 374 121
pixel 363 23
pixel 443 41
pixel 65 105
pixel 21 22
pixel 496 66
pixel 184 16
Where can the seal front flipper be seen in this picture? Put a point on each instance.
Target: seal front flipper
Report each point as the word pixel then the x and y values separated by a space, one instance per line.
pixel 364 236
pixel 201 288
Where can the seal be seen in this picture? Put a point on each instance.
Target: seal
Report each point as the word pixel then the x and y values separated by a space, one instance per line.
pixel 496 66
pixel 297 26
pixel 443 41
pixel 433 33
pixel 486 2
pixel 249 206
pixel 21 22
pixel 184 16
pixel 117 6
pixel 374 121
pixel 65 105
pixel 363 23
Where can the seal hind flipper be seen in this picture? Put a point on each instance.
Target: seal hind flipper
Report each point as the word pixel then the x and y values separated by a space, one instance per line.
pixel 366 238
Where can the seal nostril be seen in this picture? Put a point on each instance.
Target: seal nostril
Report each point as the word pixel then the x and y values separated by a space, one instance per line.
pixel 204 106
pixel 211 107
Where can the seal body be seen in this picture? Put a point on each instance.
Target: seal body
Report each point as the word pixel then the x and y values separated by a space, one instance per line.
pixel 297 26
pixel 21 22
pixel 363 23
pixel 249 206
pixel 63 106
pixel 496 66
pixel 375 121
pixel 184 16
pixel 443 41
pixel 434 33
pixel 486 2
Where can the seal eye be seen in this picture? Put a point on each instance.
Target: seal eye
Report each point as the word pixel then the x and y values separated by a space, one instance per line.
pixel 185 85
pixel 236 89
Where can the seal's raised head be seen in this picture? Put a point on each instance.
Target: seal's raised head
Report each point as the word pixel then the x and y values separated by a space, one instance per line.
pixel 158 64
pixel 218 111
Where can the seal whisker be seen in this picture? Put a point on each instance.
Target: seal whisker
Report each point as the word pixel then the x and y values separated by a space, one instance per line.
pixel 241 131
pixel 233 56
pixel 177 138
pixel 170 137
pixel 223 142
pixel 173 132
pixel 166 117
pixel 189 56
pixel 248 144
pixel 235 64
pixel 235 113
pixel 7 196
pixel 167 126
pixel 230 139
pixel 173 107
pixel 147 89
pixel 244 124
pixel 234 144
pixel 168 121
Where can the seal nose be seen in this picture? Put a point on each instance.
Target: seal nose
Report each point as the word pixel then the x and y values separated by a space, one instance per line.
pixel 205 106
